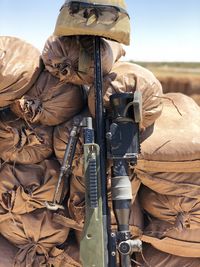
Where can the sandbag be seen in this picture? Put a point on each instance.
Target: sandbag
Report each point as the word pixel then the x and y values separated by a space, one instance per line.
pixel 106 18
pixel 170 150
pixel 21 142
pixel 7 253
pixel 65 58
pixel 20 66
pixel 24 188
pixel 128 77
pixel 175 135
pixel 69 257
pixel 182 212
pixel 36 235
pixel 49 101
pixel 168 238
pixel 154 258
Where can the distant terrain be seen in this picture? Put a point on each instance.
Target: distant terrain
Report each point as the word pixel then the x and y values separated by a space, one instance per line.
pixel 177 77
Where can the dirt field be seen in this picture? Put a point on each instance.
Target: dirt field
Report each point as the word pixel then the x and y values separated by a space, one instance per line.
pixel 177 77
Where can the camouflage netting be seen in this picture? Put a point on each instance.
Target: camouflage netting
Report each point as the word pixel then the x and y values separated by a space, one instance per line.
pixel 20 66
pixel 127 78
pixel 49 101
pixel 61 56
pixel 23 143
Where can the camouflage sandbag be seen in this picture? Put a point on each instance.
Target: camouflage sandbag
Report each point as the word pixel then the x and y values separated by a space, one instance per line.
pixel 127 78
pixel 170 152
pixel 24 188
pixel 7 253
pixel 65 58
pixel 182 212
pixel 166 237
pixel 152 257
pixel 36 235
pixel 49 101
pixel 23 143
pixel 20 66
pixel 105 18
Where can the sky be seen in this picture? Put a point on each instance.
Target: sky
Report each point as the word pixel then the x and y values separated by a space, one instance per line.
pixel 161 30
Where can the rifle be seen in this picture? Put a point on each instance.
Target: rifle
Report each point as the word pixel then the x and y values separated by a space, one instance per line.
pixel 99 245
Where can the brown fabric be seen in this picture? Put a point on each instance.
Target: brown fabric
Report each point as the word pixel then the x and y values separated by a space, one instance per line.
pixel 19 68
pixel 166 166
pixel 7 253
pixel 154 258
pixel 128 77
pixel 175 135
pixel 35 234
pixel 24 188
pixel 170 239
pixel 61 58
pixel 49 101
pixel 182 212
pixel 69 257
pixel 76 201
pixel 24 143
pixel 172 183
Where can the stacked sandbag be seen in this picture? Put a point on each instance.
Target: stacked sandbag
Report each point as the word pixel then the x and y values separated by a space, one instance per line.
pixel 26 187
pixel 23 143
pixel 24 219
pixel 49 101
pixel 7 253
pixel 152 257
pixel 169 169
pixel 29 170
pixel 128 78
pixel 70 58
pixel 20 66
pixel 36 234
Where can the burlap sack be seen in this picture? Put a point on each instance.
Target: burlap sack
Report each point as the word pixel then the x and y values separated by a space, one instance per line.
pixel 69 257
pixel 63 57
pixel 20 66
pixel 36 235
pixel 23 143
pixel 24 188
pixel 182 212
pixel 49 101
pixel 128 77
pixel 170 153
pixel 168 238
pixel 154 258
pixel 175 135
pixel 7 253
